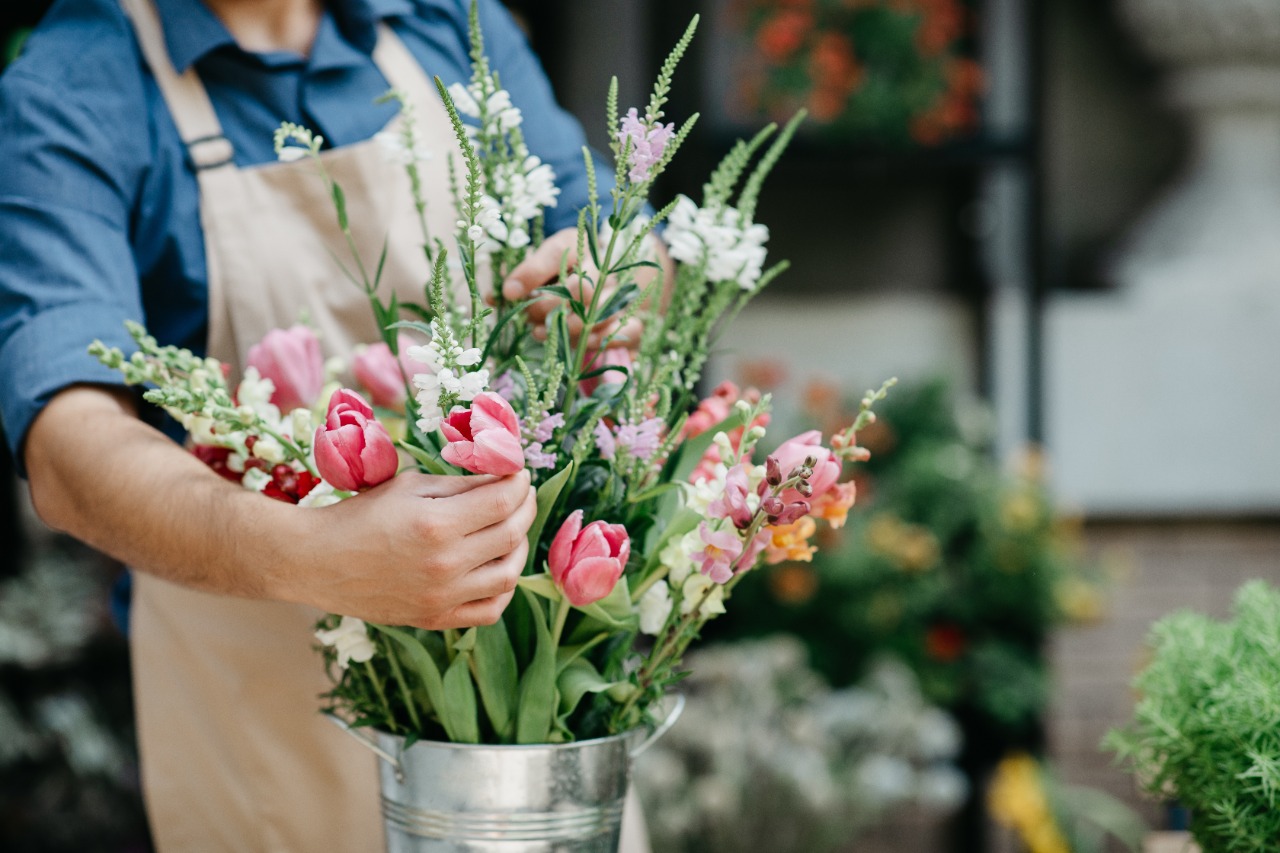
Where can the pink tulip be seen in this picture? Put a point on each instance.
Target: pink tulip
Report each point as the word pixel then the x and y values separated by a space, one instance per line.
pixel 586 562
pixel 291 359
pixel 383 375
pixel 484 439
pixel 353 451
pixel 792 454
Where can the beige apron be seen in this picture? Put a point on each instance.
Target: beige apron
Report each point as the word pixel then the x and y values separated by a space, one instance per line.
pixel 234 753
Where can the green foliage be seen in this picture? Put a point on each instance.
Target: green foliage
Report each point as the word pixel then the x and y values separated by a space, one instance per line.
pixel 1206 728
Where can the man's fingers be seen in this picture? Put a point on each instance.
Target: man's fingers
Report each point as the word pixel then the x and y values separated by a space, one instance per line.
pixel 496 577
pixel 609 335
pixel 434 486
pixel 541 265
pixel 486 611
pixel 497 540
pixel 482 506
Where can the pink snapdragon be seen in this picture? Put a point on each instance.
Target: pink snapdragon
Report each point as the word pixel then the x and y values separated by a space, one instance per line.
pixel 723 547
pixel 640 441
pixel 536 439
pixel 586 562
pixel 353 451
pixel 733 502
pixel 291 359
pixel 647 143
pixel 793 452
pixel 484 439
pixel 383 375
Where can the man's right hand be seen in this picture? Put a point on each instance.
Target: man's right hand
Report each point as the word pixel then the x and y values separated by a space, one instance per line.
pixel 433 552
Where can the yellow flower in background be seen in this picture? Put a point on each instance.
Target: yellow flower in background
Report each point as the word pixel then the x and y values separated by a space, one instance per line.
pixel 791 542
pixel 1017 799
pixel 1080 600
pixel 918 550
pixel 1020 511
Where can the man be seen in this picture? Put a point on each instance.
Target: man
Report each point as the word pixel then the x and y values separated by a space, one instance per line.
pixel 137 182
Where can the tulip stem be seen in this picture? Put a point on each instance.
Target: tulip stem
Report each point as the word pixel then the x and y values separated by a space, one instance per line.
pixel 562 615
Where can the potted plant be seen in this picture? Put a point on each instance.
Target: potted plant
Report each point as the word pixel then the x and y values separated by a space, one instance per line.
pixel 1204 729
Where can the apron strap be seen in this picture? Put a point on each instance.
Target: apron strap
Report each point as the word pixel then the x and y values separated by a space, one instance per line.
pixel 401 68
pixel 184 94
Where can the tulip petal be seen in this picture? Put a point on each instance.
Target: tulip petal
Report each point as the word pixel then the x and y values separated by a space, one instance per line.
pixel 558 558
pixel 498 453
pixel 591 580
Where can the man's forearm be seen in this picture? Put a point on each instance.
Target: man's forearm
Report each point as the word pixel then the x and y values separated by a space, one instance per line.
pixel 103 476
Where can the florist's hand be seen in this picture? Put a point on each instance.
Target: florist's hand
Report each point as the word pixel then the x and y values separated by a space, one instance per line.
pixel 432 552
pixel 542 267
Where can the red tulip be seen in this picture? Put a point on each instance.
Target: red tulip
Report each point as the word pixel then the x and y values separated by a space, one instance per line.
pixel 586 562
pixel 353 451
pixel 291 359
pixel 484 439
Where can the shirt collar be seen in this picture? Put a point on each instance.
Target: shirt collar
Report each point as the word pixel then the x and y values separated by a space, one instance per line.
pixel 191 31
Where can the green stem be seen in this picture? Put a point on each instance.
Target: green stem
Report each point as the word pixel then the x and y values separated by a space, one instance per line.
pixel 376 681
pixel 404 691
pixel 562 616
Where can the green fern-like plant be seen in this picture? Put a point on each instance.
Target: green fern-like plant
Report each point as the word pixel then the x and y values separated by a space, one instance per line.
pixel 1206 728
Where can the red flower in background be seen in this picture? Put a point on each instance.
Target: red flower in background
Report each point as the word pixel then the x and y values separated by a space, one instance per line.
pixel 945 642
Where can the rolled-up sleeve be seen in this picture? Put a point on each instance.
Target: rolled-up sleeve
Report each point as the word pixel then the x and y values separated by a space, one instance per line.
pixel 67 269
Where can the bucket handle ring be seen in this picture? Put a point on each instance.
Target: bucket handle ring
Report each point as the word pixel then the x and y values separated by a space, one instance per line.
pixel 370 743
pixel 663 727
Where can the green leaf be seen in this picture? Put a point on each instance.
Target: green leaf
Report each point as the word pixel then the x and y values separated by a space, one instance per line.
pixel 428 462
pixel 541 584
pixel 578 679
pixel 496 677
pixel 566 655
pixel 425 665
pixel 548 494
pixel 340 202
pixel 538 684
pixel 460 700
pixel 619 300
pixel 466 642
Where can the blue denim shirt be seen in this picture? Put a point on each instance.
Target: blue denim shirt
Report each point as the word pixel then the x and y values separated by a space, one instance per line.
pixel 99 208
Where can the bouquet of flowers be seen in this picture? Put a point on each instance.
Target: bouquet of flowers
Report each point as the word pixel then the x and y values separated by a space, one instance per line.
pixel 650 505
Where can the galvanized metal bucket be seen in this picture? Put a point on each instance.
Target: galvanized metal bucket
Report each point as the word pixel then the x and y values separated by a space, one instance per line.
pixel 460 798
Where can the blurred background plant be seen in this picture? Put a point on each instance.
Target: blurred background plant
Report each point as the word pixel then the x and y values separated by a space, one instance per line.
pixel 879 72
pixel 1206 728
pixel 769 757
pixel 68 773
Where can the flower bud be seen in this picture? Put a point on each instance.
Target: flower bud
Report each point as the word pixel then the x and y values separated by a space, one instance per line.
pixel 772 471
pixel 804 488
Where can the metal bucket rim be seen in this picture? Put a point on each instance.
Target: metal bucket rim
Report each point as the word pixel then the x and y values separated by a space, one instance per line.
pixel 507 747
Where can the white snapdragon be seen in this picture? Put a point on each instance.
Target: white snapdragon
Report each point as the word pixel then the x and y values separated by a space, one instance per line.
pixel 655 607
pixel 255 479
pixel 679 556
pixel 732 249
pixel 446 381
pixel 702 592
pixel 320 495
pixel 268 450
pixel 499 114
pixel 396 148
pixel 351 640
